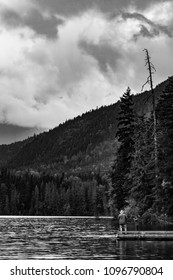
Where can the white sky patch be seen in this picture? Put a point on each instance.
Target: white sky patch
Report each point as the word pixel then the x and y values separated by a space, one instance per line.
pixel 92 90
pixel 160 13
pixel 121 32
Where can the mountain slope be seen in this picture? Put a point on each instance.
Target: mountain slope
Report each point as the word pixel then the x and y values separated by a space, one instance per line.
pixel 88 141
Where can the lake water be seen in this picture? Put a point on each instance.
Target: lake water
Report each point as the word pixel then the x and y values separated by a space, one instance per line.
pixel 72 238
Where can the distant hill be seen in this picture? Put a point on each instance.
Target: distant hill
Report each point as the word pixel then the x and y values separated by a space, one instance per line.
pixel 7 152
pixel 86 142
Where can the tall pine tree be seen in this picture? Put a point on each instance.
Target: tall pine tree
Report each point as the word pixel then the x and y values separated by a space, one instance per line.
pixel 142 171
pixel 121 166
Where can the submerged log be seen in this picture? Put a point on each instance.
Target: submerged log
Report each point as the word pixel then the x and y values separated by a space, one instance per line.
pixel 145 235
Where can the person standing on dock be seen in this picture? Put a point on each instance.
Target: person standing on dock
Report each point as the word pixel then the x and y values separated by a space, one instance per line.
pixel 136 222
pixel 122 219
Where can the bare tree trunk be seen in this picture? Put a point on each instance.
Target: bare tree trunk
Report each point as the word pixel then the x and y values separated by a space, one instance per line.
pixel 150 67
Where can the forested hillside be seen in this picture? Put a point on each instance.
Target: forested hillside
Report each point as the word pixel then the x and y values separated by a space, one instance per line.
pixel 87 141
pixel 9 151
pixel 96 164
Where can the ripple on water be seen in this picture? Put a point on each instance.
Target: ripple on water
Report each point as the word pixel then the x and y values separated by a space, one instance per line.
pixel 72 238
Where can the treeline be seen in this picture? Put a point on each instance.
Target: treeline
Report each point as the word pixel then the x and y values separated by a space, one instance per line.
pixel 142 173
pixel 27 194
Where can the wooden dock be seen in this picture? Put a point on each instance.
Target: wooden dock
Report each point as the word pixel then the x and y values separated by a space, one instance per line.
pixel 145 235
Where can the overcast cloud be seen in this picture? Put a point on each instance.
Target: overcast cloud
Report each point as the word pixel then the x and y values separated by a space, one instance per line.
pixel 60 58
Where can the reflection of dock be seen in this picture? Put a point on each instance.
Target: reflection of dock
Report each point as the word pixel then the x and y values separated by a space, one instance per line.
pixel 145 235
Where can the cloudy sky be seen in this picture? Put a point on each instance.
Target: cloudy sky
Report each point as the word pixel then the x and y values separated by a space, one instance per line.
pixel 60 58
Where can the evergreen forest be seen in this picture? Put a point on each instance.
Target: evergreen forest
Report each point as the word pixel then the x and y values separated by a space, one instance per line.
pixel 96 164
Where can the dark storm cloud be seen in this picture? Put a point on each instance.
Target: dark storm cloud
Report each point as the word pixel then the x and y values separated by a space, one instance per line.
pixel 109 5
pixel 104 54
pixel 65 7
pixel 34 19
pixel 73 7
pixel 47 25
pixel 156 29
pixel 146 33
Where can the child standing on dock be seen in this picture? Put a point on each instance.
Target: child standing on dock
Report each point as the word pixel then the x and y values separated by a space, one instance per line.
pixel 122 219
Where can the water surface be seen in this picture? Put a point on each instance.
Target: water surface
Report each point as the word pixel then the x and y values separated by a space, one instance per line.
pixel 72 238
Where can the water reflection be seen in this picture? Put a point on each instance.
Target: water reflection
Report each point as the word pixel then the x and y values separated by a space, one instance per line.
pixel 73 238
